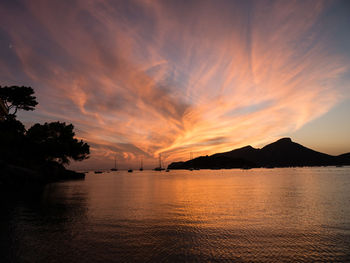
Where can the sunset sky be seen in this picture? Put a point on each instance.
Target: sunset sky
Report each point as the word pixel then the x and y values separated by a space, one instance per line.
pixel 139 78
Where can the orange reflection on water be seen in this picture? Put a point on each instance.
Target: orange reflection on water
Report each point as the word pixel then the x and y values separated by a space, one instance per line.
pixel 292 198
pixel 258 215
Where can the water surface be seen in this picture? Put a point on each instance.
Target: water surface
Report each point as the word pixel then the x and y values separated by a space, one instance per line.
pixel 258 215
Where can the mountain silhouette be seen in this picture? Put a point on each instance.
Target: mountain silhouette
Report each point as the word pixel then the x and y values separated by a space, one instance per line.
pixel 282 153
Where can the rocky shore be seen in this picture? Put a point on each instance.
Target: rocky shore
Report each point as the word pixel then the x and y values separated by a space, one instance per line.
pixel 13 176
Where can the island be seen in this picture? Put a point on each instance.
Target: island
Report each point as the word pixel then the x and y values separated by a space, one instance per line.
pixel 282 153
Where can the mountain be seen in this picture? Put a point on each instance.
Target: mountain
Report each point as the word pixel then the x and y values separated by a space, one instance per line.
pixel 282 153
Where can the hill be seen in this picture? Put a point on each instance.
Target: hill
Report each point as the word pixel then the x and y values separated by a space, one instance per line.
pixel 282 153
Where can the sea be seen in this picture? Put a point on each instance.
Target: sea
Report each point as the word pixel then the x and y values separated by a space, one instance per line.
pixel 256 215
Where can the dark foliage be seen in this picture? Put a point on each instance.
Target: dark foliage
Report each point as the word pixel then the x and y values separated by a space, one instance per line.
pixel 50 142
pixel 35 157
pixel 18 98
pixel 55 142
pixel 12 140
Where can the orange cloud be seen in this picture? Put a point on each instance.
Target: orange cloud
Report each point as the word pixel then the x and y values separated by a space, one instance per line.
pixel 141 78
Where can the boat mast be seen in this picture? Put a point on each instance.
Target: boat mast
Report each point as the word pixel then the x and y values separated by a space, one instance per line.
pixel 160 162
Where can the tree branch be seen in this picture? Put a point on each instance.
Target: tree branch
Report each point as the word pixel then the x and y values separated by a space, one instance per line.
pixel 6 105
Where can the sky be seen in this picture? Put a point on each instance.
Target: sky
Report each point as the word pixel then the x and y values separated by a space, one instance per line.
pixel 141 78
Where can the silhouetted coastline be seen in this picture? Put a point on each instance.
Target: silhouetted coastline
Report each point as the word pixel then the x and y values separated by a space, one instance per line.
pixel 282 153
pixel 33 157
pixel 20 177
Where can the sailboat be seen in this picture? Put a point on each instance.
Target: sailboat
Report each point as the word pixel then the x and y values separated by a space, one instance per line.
pixel 141 167
pixel 115 165
pixel 159 168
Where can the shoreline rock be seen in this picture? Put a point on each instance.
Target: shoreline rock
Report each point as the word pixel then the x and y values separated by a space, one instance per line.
pixel 13 176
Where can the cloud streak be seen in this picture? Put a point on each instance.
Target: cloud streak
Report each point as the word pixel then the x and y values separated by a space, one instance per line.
pixel 139 78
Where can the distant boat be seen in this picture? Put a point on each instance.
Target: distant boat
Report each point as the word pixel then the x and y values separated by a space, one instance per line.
pixel 130 171
pixel 141 167
pixel 167 170
pixel 191 169
pixel 339 165
pixel 159 168
pixel 115 165
pixel 98 172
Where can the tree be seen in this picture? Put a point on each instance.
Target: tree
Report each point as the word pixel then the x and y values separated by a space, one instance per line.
pixel 55 142
pixel 12 140
pixel 17 98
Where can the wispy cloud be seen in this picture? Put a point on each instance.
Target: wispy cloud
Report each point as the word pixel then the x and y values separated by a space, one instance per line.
pixel 147 77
